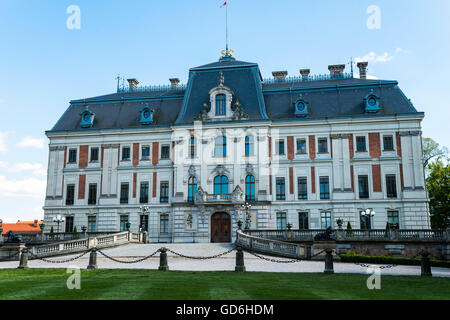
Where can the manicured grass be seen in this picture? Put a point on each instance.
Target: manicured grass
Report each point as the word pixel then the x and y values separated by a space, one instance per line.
pixel 150 284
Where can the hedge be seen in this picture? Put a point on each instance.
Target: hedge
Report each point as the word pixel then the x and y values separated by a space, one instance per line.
pixel 353 257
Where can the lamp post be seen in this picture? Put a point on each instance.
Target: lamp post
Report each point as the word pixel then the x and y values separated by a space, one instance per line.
pixel 145 210
pixel 58 219
pixel 42 226
pixel 369 214
pixel 247 207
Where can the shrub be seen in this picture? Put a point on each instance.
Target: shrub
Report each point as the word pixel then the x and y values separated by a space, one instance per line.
pixel 349 226
pixel 351 256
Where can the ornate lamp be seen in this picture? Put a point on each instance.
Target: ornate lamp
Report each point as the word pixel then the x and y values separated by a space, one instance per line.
pixel 247 207
pixel 369 214
pixel 58 219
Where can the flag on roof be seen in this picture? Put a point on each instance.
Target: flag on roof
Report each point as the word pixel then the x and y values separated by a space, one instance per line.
pixel 224 4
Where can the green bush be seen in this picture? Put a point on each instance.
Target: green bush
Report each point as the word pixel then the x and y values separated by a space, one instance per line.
pixel 349 226
pixel 351 256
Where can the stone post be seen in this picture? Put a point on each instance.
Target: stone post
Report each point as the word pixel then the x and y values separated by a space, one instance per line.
pixel 163 266
pixel 240 267
pixel 329 262
pixel 93 260
pixel 426 266
pixel 23 264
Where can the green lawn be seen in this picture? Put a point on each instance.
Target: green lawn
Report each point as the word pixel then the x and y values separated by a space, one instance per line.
pixel 151 284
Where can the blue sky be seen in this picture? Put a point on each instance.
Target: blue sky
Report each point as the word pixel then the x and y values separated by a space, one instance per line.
pixel 44 65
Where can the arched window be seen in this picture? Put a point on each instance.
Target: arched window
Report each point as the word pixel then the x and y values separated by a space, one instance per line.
pixel 221 185
pixel 192 188
pixel 249 146
pixel 250 188
pixel 220 105
pixel 221 147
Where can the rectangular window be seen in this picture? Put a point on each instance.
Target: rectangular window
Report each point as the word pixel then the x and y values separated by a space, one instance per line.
pixel 324 188
pixel 72 156
pixel 280 147
pixel 361 144
pixel 126 154
pixel 69 224
pixel 302 189
pixel 92 199
pixel 164 192
pixel 325 219
pixel 94 154
pixel 123 223
pixel 363 183
pixel 92 224
pixel 249 146
pixel 192 147
pixel 164 223
pixel 165 151
pixel 364 221
pixel 221 147
pixel 323 145
pixel 281 220
pixel 280 189
pixel 391 186
pixel 393 219
pixel 124 192
pixel 145 152
pixel 143 222
pixel 301 146
pixel 388 143
pixel 303 223
pixel 70 194
pixel 144 193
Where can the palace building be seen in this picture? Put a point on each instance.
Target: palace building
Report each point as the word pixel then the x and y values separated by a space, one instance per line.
pixel 182 161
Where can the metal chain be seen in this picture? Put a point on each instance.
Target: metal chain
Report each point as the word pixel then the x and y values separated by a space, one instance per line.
pixel 273 260
pixel 315 255
pixel 60 261
pixel 132 261
pixel 7 258
pixel 201 258
pixel 364 265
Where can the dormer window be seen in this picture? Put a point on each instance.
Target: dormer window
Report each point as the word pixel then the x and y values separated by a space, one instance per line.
pixel 372 103
pixel 221 105
pixel 146 115
pixel 87 118
pixel 301 108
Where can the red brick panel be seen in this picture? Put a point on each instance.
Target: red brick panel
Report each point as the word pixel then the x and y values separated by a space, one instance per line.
pixel 101 160
pixel 84 155
pixel 118 154
pixel 135 154
pixel 402 183
pixel 291 180
pixel 331 146
pixel 134 184
pixel 270 181
pixel 81 186
pixel 374 145
pixel 155 153
pixel 399 144
pixel 290 147
pixel 352 177
pixel 154 185
pixel 65 156
pixel 313 180
pixel 312 147
pixel 376 177
pixel 350 146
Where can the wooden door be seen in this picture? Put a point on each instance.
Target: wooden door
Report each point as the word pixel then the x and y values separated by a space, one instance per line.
pixel 220 227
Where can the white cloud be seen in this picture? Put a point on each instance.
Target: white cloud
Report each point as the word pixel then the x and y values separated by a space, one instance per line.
pixel 26 188
pixel 3 164
pixel 3 148
pixel 372 57
pixel 37 168
pixel 30 142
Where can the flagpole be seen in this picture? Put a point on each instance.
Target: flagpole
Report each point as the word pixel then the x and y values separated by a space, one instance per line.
pixel 226 24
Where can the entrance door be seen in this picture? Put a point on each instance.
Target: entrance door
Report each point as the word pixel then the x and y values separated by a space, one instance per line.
pixel 220 227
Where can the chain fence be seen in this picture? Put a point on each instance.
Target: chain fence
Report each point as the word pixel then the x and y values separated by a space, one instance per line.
pixel 33 256
pixel 129 262
pixel 11 256
pixel 201 258
pixel 364 265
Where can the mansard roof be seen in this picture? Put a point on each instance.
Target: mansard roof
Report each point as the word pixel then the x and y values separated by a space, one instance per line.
pixel 270 100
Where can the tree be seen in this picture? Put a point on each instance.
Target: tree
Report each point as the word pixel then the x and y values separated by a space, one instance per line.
pixel 438 185
pixel 432 150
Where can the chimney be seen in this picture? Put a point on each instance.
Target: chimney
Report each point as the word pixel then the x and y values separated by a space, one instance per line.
pixel 362 69
pixel 304 73
pixel 174 82
pixel 336 70
pixel 133 84
pixel 280 75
